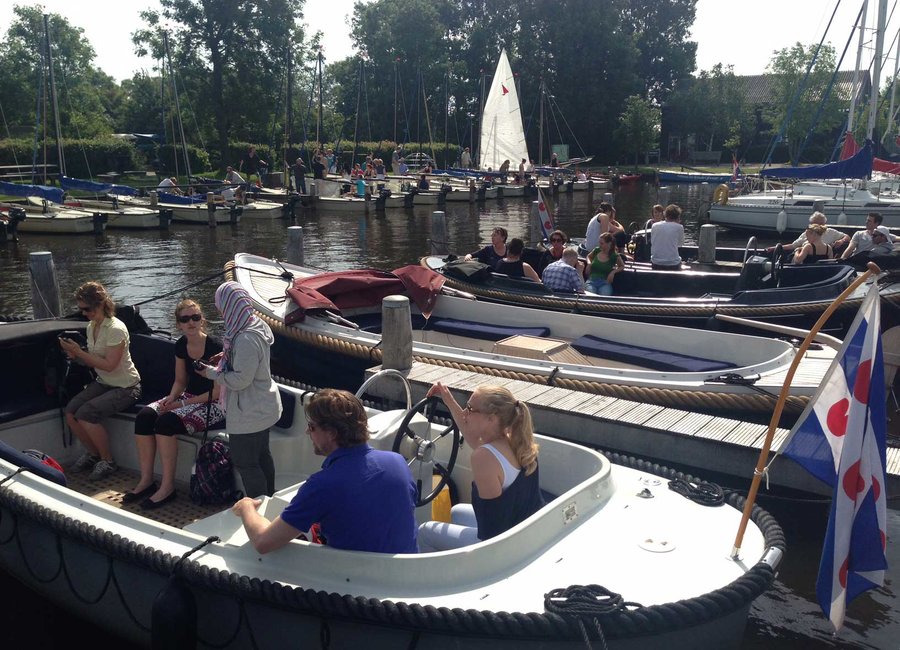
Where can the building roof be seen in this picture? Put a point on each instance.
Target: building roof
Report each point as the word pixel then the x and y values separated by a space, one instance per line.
pixel 758 87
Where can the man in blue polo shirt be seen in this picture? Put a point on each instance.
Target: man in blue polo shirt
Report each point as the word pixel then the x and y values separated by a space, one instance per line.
pixel 362 500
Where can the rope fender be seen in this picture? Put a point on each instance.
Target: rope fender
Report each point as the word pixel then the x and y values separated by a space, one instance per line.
pixel 456 622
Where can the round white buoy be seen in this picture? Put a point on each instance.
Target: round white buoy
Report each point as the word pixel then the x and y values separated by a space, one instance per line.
pixel 781 222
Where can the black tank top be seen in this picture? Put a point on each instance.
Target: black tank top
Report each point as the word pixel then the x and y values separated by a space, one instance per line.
pixel 512 269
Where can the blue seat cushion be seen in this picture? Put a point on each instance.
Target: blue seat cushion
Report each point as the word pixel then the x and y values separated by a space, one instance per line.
pixel 483 330
pixel 31 463
pixel 646 357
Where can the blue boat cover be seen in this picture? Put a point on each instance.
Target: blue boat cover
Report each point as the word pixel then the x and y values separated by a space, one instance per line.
pixel 165 197
pixel 54 194
pixel 100 188
pixel 857 166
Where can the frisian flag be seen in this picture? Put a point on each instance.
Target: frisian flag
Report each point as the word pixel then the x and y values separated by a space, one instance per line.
pixel 840 439
pixel 545 219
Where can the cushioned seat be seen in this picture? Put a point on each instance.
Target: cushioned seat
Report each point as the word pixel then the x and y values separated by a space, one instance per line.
pixel 483 330
pixel 646 357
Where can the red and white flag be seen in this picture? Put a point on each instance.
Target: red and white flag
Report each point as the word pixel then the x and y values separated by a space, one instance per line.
pixel 545 219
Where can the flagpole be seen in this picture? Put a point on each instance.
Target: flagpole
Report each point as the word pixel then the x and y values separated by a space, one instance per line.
pixel 871 269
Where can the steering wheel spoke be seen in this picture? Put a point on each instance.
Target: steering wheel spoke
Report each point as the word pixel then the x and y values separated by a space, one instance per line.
pixel 425 449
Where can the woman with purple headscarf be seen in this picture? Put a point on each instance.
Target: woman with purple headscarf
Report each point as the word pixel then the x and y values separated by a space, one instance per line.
pixel 252 402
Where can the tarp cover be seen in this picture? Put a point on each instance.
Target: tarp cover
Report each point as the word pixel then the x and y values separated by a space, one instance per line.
pixel 175 199
pixel 363 288
pixel 857 166
pixel 100 188
pixel 850 147
pixel 54 194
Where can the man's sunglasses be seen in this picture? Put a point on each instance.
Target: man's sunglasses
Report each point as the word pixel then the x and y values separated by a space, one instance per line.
pixel 193 317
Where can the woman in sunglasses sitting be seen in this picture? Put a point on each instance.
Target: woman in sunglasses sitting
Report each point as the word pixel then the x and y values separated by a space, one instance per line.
pixel 506 485
pixel 190 405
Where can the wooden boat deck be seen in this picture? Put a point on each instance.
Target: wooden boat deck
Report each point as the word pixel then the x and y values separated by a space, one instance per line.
pixel 110 490
pixel 707 443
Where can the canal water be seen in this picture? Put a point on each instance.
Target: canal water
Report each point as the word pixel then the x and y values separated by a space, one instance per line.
pixel 140 267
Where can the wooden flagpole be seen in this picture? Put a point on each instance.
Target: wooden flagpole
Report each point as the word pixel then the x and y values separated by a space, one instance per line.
pixel 871 269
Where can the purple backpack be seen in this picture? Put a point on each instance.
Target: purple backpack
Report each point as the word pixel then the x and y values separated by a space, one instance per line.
pixel 212 479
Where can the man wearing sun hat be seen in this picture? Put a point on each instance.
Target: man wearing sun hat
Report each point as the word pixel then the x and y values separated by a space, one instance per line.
pixel 862 240
pixel 882 240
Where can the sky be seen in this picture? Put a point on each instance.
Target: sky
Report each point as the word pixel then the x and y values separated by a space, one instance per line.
pixel 743 35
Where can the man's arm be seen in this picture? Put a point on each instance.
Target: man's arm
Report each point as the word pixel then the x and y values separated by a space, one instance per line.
pixel 265 535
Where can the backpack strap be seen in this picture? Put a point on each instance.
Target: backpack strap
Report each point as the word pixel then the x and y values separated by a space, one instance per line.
pixel 208 407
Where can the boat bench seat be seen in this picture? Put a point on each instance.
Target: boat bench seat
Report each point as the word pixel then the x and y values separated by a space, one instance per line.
pixel 372 323
pixel 20 407
pixel 647 357
pixel 483 330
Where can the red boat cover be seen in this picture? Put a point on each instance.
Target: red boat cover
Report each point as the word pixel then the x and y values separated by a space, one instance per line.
pixel 364 288
pixel 850 147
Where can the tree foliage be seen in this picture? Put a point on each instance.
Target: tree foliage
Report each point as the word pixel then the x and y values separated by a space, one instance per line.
pixel 801 104
pixel 639 126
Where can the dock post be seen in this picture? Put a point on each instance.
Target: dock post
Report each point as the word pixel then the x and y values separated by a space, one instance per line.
pixel 706 251
pixel 211 209
pixel 165 219
pixel 313 194
pixel 295 245
pixel 663 194
pixel 98 220
pixel 396 337
pixel 608 197
pixel 819 205
pixel 154 198
pixel 44 285
pixel 233 213
pixel 437 245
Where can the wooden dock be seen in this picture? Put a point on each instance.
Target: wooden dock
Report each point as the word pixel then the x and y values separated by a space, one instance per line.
pixel 698 443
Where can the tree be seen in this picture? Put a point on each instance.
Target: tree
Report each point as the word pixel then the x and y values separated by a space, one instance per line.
pixel 708 106
pixel 639 124
pixel 802 106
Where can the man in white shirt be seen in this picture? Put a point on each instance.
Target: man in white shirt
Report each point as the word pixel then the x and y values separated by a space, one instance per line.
pixel 233 177
pixel 169 185
pixel 862 240
pixel 667 236
pixel 465 160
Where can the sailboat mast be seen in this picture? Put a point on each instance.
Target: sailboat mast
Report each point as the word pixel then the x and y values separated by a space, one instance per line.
pixel 478 152
pixel 356 122
pixel 890 122
pixel 319 118
pixel 289 115
pixel 59 144
pixel 396 62
pixel 876 72
pixel 541 126
pixel 856 81
pixel 446 115
pixel 187 159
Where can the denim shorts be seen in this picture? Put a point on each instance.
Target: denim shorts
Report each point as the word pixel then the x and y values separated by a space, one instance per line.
pixel 98 401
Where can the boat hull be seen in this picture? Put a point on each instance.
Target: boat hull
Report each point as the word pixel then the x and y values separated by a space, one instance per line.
pixel 762 216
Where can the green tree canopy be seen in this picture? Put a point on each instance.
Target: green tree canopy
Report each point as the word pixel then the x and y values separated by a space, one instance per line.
pixel 639 125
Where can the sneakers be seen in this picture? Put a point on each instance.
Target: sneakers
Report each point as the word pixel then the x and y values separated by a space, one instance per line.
pixel 102 469
pixel 85 462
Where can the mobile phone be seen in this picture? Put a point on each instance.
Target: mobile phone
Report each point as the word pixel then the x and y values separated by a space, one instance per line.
pixel 199 365
pixel 74 336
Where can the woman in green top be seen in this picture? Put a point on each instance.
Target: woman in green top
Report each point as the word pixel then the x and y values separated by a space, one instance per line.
pixel 604 263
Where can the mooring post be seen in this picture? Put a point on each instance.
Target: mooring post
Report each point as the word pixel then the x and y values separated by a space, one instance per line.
pixel 438 242
pixel 662 195
pixel 295 245
pixel 211 209
pixel 706 251
pixel 165 219
pixel 44 285
pixel 99 221
pixel 154 198
pixel 609 198
pixel 396 337
pixel 819 205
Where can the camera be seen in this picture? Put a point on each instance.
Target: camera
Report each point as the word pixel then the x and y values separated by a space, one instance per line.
pixel 199 366
pixel 75 336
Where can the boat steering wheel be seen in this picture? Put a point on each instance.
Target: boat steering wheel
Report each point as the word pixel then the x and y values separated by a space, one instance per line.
pixel 777 263
pixel 426 449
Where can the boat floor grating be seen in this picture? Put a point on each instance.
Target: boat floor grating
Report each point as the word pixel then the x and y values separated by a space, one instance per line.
pixel 110 490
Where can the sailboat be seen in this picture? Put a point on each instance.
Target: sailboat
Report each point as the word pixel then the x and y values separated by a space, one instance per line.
pixel 502 131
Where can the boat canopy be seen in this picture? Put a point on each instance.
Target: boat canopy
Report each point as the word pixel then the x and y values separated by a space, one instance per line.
pixel 100 188
pixel 54 194
pixel 364 288
pixel 857 166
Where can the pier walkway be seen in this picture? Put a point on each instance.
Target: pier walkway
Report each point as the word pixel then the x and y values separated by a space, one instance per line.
pixel 701 442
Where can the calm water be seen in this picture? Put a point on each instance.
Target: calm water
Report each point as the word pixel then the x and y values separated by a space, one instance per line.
pixel 141 266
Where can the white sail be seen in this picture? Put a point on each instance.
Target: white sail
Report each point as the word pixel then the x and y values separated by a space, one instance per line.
pixel 502 133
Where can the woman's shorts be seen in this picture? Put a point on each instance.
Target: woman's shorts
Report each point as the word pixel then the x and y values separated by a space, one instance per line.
pixel 98 401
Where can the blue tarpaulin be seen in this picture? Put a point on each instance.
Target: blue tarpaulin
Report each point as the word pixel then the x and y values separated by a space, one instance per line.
pixel 54 194
pixel 165 197
pixel 100 188
pixel 857 166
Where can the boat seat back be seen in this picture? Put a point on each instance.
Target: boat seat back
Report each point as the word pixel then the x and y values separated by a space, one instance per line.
pixel 646 357
pixel 486 331
pixel 643 281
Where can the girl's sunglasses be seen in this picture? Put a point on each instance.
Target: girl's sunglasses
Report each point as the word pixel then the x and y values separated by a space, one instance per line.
pixel 193 317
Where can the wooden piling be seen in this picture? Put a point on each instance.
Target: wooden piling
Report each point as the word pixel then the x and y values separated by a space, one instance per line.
pixel 437 245
pixel 44 285
pixel 294 250
pixel 706 251
pixel 396 337
pixel 211 209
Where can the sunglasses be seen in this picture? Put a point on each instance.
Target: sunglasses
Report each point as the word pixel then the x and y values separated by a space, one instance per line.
pixel 555 240
pixel 193 317
pixel 85 310
pixel 468 407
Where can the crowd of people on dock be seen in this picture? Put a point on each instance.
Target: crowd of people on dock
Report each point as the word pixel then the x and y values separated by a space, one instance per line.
pixel 362 499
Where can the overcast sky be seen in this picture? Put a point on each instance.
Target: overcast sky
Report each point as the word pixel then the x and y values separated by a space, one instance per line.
pixel 741 34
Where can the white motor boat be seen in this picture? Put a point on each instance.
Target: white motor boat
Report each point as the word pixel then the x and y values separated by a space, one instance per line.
pixel 56 221
pixel 656 563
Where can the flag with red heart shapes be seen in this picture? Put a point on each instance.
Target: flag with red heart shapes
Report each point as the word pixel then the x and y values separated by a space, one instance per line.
pixel 840 439
pixel 545 219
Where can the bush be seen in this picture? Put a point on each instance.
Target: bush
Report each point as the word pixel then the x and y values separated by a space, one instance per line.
pixel 84 158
